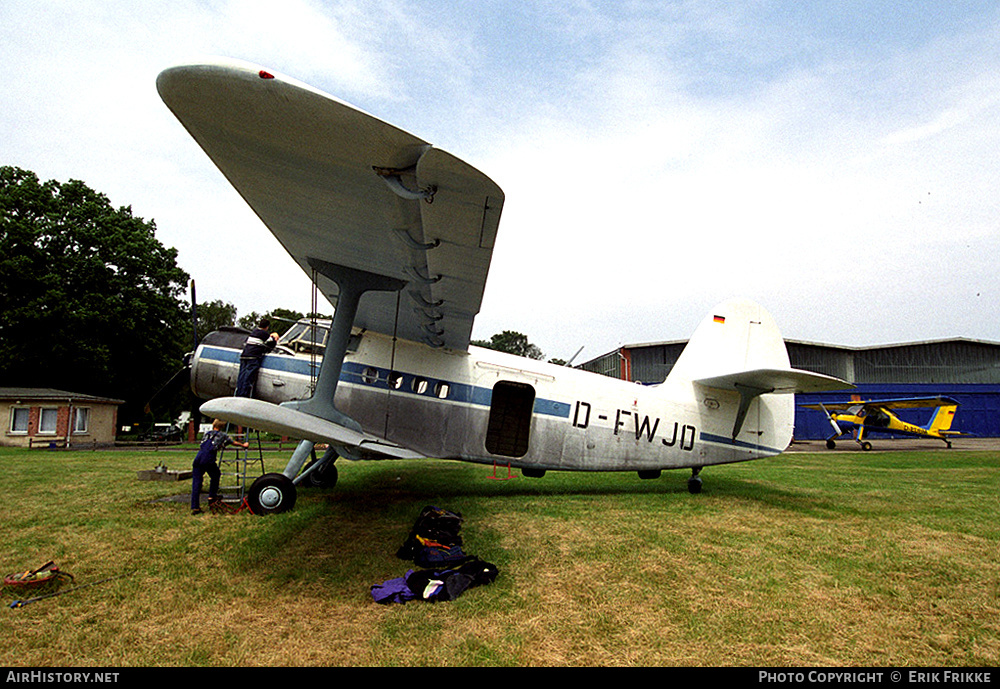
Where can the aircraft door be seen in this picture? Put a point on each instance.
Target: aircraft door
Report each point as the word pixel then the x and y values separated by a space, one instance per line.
pixel 508 431
pixel 877 418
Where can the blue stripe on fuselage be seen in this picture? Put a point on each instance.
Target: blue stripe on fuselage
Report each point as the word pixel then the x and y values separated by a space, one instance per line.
pixel 378 378
pixel 743 445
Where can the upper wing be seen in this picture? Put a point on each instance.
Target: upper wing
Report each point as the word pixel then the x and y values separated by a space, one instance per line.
pixel 901 403
pixel 836 406
pixel 913 403
pixel 337 185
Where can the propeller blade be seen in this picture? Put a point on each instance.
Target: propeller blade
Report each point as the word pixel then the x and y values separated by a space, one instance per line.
pixel 829 417
pixel 183 376
pixel 194 317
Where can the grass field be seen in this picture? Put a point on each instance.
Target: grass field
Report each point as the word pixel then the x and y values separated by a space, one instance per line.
pixel 833 559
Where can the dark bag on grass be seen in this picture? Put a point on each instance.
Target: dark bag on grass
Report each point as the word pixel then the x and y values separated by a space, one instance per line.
pixel 449 584
pixel 436 556
pixel 435 528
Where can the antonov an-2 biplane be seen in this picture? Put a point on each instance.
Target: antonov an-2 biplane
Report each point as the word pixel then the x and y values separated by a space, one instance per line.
pixel 861 418
pixel 399 235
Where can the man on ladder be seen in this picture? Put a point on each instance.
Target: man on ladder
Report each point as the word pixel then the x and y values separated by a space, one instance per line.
pixel 257 345
pixel 204 463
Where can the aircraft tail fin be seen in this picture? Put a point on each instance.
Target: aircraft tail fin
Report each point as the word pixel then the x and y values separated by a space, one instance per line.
pixel 942 419
pixel 738 348
pixel 738 335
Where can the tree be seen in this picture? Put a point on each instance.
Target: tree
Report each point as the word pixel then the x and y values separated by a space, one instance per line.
pixel 90 300
pixel 281 320
pixel 213 315
pixel 249 321
pixel 513 343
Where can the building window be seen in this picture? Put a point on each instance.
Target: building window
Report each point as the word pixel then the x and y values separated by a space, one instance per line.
pixel 48 420
pixel 81 420
pixel 19 419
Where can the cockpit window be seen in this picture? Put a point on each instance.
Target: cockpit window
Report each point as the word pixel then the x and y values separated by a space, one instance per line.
pixel 307 336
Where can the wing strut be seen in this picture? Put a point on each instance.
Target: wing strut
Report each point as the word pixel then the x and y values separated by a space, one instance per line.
pixel 352 284
pixel 747 395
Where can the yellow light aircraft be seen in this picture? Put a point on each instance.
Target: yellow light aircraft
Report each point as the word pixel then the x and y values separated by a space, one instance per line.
pixel 863 417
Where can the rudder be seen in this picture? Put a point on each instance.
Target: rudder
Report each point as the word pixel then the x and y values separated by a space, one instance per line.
pixel 942 419
pixel 738 335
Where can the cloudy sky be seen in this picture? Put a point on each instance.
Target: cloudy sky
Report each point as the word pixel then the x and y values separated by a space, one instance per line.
pixel 839 162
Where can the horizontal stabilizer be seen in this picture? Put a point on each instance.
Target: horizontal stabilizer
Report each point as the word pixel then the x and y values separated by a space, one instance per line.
pixel 776 380
pixel 273 418
pixel 762 381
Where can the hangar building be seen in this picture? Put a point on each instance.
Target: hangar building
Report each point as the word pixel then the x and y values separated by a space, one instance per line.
pixel 964 369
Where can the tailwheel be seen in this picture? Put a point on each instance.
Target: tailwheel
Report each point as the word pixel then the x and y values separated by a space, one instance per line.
pixel 694 483
pixel 830 444
pixel 866 446
pixel 271 494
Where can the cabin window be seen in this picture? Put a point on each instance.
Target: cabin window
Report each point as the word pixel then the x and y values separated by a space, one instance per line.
pixel 510 419
pixel 442 390
pixel 877 418
pixel 420 385
pixel 395 380
pixel 370 375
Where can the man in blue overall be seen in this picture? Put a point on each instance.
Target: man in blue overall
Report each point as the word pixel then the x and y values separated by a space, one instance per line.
pixel 204 463
pixel 257 345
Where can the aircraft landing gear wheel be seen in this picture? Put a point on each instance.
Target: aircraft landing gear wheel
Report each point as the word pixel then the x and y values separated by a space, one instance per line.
pixel 324 476
pixel 866 446
pixel 271 494
pixel 694 483
pixel 830 445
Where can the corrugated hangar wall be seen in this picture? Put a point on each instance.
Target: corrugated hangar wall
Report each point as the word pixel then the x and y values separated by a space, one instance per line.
pixel 966 370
